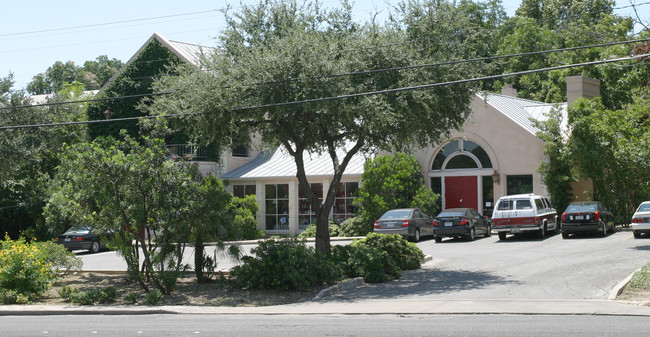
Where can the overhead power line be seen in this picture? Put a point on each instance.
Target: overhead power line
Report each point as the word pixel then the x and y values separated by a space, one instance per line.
pixel 490 58
pixel 323 99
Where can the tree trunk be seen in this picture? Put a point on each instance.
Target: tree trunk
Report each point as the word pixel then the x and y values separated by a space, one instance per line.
pixel 199 261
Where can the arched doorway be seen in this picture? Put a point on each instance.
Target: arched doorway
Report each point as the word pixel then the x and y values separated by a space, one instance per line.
pixel 461 172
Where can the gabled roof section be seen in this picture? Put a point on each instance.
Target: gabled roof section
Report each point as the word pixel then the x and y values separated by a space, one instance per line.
pixel 521 111
pixel 279 164
pixel 187 52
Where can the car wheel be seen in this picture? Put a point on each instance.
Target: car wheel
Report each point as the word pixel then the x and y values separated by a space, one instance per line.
pixel 438 238
pixel 502 235
pixel 541 233
pixel 636 235
pixel 472 234
pixel 603 230
pixel 416 236
pixel 565 235
pixel 613 229
pixel 94 247
pixel 488 233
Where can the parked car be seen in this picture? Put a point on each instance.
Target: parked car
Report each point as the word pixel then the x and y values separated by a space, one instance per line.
pixel 460 222
pixel 641 220
pixel 520 213
pixel 411 223
pixel 587 217
pixel 84 237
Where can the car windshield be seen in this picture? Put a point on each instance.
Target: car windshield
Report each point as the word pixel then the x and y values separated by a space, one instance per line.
pixel 582 208
pixel 450 214
pixel 644 208
pixel 77 230
pixel 396 214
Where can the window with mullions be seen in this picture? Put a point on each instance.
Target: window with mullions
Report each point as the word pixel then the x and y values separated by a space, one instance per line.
pixel 306 215
pixel 343 208
pixel 242 191
pixel 461 161
pixel 277 206
pixel 519 184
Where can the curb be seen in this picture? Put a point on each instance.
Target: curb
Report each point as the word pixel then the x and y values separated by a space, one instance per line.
pixel 349 284
pixel 618 289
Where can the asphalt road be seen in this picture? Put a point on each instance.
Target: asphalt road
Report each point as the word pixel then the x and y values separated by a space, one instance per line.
pixel 330 325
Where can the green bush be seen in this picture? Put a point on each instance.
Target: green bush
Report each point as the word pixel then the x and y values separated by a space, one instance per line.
pixel 25 268
pixel 284 264
pixel 243 210
pixel 377 258
pixel 12 297
pixel 310 231
pixel 132 297
pixel 60 257
pixel 153 297
pixel 355 226
pixel 73 295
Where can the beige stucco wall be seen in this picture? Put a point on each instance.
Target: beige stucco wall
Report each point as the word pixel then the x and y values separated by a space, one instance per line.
pixel 512 149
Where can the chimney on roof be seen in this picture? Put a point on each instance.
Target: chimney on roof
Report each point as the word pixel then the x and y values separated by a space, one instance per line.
pixel 581 86
pixel 508 90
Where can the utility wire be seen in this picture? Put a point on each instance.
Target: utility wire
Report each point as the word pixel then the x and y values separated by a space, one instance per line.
pixel 350 74
pixel 324 99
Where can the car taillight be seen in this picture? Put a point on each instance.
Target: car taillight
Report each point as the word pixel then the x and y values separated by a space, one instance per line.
pixel 405 223
pixel 376 224
pixel 637 220
pixel 435 223
pixel 80 238
pixel 464 222
pixel 564 217
pixel 596 216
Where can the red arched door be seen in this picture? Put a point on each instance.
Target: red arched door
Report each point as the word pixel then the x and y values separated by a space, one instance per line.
pixel 461 192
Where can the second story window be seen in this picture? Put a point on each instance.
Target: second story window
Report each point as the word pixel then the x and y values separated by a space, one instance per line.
pixel 239 150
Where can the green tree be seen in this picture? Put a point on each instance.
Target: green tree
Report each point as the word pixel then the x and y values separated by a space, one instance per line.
pixel 557 172
pixel 93 75
pixel 393 181
pixel 128 186
pixel 612 147
pixel 545 25
pixel 285 52
pixel 30 155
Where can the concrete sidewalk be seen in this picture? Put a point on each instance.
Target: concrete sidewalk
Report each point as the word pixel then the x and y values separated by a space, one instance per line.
pixel 358 307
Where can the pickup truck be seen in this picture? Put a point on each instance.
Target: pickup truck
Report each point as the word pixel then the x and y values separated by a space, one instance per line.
pixel 516 214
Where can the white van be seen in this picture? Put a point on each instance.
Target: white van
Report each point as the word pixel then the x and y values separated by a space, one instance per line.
pixel 521 213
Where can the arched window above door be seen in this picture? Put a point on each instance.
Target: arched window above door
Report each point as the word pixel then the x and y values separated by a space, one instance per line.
pixel 461 154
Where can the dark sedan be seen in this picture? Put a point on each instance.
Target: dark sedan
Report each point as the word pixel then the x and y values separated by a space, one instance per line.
pixel 461 222
pixel 83 237
pixel 410 223
pixel 587 217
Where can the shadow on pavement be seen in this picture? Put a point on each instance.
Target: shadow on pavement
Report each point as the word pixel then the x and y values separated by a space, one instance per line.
pixel 423 282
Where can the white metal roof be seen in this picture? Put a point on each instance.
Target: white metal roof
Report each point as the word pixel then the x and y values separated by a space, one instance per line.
pixel 279 164
pixel 521 111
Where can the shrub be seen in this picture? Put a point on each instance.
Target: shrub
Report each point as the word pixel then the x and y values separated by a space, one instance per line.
pixel 73 295
pixel 310 231
pixel 243 210
pixel 377 258
pixel 284 264
pixel 60 257
pixel 24 268
pixel 406 254
pixel 153 297
pixel 12 297
pixel 356 226
pixel 132 297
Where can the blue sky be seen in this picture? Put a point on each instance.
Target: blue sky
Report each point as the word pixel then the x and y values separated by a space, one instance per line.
pixel 35 34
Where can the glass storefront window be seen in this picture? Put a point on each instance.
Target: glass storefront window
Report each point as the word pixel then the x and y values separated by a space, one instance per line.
pixel 306 215
pixel 243 190
pixel 277 206
pixel 519 184
pixel 343 208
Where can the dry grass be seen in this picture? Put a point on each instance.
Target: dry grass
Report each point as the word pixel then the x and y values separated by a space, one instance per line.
pixel 188 292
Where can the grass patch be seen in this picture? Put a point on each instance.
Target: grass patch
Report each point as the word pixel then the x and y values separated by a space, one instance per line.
pixel 641 279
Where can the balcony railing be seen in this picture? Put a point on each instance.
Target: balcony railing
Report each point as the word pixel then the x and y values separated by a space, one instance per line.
pixel 189 151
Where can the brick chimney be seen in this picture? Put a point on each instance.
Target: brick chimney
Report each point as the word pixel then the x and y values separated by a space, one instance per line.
pixel 580 86
pixel 508 90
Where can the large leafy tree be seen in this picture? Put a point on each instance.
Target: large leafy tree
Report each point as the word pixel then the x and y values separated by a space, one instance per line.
pixel 545 25
pixel 129 186
pixel 28 156
pixel 281 61
pixel 393 181
pixel 93 74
